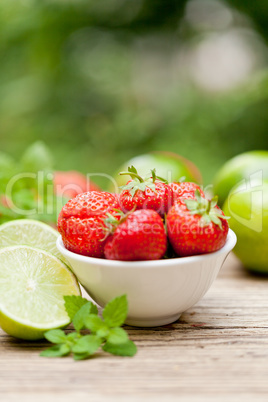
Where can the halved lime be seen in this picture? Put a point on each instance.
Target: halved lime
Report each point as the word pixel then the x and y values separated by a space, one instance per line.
pixel 30 233
pixel 32 285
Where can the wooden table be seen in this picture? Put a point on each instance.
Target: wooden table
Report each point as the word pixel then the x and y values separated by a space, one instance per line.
pixel 217 351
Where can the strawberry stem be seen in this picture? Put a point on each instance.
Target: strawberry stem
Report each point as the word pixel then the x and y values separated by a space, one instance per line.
pixel 132 172
pixel 208 206
pixel 133 176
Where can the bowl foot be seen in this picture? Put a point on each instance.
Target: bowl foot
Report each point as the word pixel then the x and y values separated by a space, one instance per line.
pixel 154 322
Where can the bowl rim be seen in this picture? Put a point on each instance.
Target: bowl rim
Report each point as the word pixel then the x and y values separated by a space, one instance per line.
pixel 229 245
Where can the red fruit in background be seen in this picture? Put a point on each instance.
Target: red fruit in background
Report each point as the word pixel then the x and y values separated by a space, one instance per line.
pixel 185 190
pixel 196 226
pixel 4 200
pixel 140 236
pixel 72 183
pixel 145 193
pixel 81 222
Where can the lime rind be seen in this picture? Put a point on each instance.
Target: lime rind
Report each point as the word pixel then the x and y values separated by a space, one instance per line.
pixel 23 331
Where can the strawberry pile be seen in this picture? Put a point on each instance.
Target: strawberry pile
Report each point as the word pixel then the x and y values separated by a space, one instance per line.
pixel 149 220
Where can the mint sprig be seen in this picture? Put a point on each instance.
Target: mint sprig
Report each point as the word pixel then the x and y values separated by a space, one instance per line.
pixel 105 332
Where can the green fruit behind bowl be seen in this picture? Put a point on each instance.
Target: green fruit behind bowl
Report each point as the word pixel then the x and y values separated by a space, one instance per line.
pixel 242 166
pixel 247 205
pixel 168 165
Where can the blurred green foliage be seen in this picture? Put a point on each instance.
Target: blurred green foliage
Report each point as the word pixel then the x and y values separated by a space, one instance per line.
pixel 99 82
pixel 27 186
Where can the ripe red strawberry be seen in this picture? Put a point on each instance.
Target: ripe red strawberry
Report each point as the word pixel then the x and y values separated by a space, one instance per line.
pixel 140 235
pixel 81 222
pixel 72 183
pixel 145 193
pixel 196 226
pixel 185 190
pixel 90 204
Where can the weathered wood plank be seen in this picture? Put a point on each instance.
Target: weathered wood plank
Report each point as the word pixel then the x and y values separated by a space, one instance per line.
pixel 218 351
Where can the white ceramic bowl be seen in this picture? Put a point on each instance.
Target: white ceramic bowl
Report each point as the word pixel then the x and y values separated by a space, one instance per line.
pixel 159 291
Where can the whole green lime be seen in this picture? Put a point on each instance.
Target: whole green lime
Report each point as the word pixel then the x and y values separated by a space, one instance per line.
pixel 247 206
pixel 168 165
pixel 243 166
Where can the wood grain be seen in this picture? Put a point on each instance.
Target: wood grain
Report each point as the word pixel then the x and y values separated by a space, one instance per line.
pixel 217 351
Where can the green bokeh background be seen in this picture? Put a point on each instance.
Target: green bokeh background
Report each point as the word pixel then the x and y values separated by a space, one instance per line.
pixel 102 81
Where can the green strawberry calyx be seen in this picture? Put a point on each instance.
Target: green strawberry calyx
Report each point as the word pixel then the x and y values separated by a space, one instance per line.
pixel 140 183
pixel 206 209
pixel 112 221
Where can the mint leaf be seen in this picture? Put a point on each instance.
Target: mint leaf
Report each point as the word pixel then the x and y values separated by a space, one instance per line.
pixel 87 344
pixel 115 312
pixel 82 313
pixel 56 351
pixel 117 336
pixel 73 304
pixel 55 336
pixel 126 349
pixel 81 356
pixel 103 332
pixel 96 325
pixel 72 336
pixel 94 309
pixel 93 322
